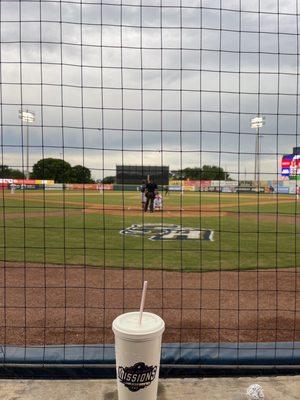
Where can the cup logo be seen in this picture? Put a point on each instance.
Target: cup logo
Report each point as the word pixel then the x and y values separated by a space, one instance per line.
pixel 138 376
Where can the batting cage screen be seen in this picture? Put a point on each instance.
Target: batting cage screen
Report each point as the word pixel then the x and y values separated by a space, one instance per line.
pixel 206 88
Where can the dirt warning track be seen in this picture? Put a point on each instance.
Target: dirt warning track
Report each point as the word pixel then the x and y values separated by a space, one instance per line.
pixel 54 304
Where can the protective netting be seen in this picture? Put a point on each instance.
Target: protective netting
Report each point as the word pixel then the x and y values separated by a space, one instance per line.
pixel 99 96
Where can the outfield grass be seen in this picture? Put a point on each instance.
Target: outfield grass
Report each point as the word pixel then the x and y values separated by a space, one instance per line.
pixel 260 232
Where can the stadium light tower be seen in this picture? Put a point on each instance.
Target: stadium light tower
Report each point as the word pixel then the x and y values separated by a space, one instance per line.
pixel 29 118
pixel 257 123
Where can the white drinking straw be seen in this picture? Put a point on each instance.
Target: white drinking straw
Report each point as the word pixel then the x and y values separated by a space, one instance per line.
pixel 143 300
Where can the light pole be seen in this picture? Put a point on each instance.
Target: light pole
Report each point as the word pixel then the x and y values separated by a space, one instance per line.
pixel 28 117
pixel 256 123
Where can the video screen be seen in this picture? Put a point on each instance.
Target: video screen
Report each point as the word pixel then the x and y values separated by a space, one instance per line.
pixel 290 166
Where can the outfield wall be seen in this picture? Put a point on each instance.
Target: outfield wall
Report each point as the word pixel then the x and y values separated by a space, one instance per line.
pixel 280 187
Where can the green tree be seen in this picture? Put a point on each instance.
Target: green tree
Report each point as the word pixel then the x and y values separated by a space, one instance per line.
pixel 192 173
pixel 212 172
pixel 207 172
pixel 10 173
pixel 52 168
pixel 80 174
pixel 109 179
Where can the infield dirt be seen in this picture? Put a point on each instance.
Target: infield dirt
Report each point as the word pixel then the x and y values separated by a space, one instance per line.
pixel 55 304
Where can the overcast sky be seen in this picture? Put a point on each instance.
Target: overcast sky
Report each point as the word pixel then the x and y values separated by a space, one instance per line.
pixel 150 82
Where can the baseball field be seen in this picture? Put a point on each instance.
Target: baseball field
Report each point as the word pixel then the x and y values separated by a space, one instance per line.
pixel 249 231
pixel 221 267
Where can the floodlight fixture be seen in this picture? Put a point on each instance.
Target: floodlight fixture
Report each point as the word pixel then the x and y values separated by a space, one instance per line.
pixel 257 123
pixel 29 118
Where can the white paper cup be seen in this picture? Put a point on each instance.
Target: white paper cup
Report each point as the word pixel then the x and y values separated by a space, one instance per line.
pixel 138 349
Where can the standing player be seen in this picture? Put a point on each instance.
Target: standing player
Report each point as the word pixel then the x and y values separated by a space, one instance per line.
pixel 12 188
pixel 143 190
pixel 158 202
pixel 150 192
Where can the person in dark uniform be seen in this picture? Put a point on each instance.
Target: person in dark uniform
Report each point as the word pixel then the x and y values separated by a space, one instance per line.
pixel 166 190
pixel 150 192
pixel 143 190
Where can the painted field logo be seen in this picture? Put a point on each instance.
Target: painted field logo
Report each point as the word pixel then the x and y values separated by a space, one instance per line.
pixel 168 232
pixel 137 377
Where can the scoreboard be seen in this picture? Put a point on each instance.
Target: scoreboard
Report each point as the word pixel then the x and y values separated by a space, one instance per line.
pixel 290 165
pixel 135 174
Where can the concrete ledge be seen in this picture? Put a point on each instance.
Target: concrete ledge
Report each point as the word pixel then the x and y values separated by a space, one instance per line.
pixel 283 387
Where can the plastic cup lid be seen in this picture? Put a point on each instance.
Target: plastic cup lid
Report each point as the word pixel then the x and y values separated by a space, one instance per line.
pixel 128 324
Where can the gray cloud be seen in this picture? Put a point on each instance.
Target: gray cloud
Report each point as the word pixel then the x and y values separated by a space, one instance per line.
pixel 205 87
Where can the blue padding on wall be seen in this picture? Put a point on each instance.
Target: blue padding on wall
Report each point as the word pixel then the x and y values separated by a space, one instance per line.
pixel 280 353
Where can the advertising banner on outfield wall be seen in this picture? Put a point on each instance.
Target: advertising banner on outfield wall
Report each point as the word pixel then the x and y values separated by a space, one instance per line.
pixel 176 183
pixel 82 186
pixel 5 180
pixel 292 185
pixel 89 186
pixel 282 190
pixel 44 182
pixel 191 183
pixel 106 186
pixel 217 183
pixel 27 181
pixel 205 183
pixel 228 189
pixel 196 183
pixel 189 188
pixel 224 183
pixel 55 186
pixel 175 188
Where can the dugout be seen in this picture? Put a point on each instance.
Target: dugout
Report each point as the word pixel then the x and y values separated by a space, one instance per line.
pixel 135 174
